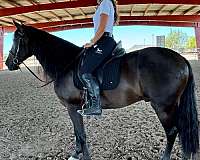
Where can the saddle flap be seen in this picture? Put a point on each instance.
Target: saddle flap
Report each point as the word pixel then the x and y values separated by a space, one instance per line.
pixel 108 76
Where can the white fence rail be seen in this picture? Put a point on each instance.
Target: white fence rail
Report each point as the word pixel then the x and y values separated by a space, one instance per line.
pixel 188 54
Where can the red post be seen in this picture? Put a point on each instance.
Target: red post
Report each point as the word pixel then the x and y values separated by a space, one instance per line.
pixel 1 47
pixel 197 34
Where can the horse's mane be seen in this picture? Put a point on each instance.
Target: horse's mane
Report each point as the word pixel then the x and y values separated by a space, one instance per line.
pixel 53 53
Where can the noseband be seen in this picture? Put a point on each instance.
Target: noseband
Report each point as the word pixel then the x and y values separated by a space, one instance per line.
pixel 15 56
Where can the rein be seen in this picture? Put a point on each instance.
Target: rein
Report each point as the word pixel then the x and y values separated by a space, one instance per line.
pixel 37 76
pixel 17 62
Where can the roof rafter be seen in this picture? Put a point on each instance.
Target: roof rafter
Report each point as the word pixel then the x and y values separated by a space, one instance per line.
pixel 34 2
pixel 82 12
pixel 19 20
pixel 53 1
pixel 14 3
pixel 6 22
pixel 11 2
pixel 132 9
pixel 156 23
pixel 197 13
pixel 55 15
pixel 176 9
pixel 161 9
pixel 192 2
pixel 69 22
pixel 84 3
pixel 47 6
pixel 43 17
pixel 189 10
pixel 122 23
pixel 193 19
pixel 146 10
pixel 175 18
pixel 29 18
pixel 67 12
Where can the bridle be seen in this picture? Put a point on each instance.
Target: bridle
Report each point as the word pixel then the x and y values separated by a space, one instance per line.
pixel 16 61
pixel 15 56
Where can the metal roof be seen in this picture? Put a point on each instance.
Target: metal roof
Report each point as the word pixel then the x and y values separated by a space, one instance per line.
pixel 67 14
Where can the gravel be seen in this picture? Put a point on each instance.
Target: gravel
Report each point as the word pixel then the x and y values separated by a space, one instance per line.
pixel 35 126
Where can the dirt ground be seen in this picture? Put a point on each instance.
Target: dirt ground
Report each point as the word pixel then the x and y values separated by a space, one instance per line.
pixel 35 126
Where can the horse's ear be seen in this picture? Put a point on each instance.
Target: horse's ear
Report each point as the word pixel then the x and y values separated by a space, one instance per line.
pixel 18 26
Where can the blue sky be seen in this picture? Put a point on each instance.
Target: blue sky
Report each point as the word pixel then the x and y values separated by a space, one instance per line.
pixel 130 35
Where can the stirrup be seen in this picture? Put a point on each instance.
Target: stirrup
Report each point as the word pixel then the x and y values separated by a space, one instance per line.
pixel 84 98
pixel 81 112
pixel 82 108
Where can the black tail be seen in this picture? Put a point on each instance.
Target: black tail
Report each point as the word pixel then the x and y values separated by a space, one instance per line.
pixel 188 118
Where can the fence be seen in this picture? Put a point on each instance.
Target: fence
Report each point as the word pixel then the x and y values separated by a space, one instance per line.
pixel 193 54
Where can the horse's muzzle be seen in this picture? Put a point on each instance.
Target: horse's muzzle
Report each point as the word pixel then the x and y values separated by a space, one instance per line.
pixel 11 66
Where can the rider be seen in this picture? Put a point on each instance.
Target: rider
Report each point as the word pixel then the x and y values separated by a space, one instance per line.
pixel 97 50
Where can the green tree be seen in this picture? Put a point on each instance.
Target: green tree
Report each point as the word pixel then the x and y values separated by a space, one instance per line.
pixel 191 42
pixel 176 39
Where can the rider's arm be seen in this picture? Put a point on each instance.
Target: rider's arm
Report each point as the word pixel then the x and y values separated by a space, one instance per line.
pixel 101 28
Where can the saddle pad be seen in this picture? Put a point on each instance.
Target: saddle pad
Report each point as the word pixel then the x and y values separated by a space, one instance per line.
pixel 111 75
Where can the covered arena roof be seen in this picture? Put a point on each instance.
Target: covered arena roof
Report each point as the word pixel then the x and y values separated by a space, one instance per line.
pixel 54 15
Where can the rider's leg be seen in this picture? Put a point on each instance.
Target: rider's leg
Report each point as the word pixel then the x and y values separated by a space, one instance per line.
pixel 94 106
pixel 93 59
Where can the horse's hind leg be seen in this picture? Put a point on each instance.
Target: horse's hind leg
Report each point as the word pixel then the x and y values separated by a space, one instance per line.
pixel 171 134
pixel 168 122
pixel 81 145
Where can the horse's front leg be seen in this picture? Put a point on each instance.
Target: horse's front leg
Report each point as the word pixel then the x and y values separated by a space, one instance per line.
pixel 81 144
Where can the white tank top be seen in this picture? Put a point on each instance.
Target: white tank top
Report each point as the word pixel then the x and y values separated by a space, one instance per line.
pixel 105 7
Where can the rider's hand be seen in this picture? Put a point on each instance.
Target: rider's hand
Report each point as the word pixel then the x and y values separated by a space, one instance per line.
pixel 88 45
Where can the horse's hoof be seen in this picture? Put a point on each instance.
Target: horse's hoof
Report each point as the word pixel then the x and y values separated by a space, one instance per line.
pixel 72 158
pixel 98 117
pixel 163 158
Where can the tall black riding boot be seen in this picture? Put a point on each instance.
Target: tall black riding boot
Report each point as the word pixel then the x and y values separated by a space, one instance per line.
pixel 94 107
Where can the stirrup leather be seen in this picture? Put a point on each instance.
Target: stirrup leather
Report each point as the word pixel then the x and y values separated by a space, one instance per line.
pixel 84 99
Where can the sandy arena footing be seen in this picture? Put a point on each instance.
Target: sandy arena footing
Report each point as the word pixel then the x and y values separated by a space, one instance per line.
pixel 35 126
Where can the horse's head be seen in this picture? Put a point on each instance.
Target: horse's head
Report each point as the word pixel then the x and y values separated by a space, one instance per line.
pixel 20 50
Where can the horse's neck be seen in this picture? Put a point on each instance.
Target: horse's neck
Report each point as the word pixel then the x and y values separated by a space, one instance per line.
pixel 54 54
pixel 54 47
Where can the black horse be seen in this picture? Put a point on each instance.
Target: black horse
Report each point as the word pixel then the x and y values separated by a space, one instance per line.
pixel 158 75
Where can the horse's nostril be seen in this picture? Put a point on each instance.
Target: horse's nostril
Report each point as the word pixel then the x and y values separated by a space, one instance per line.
pixel 6 63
